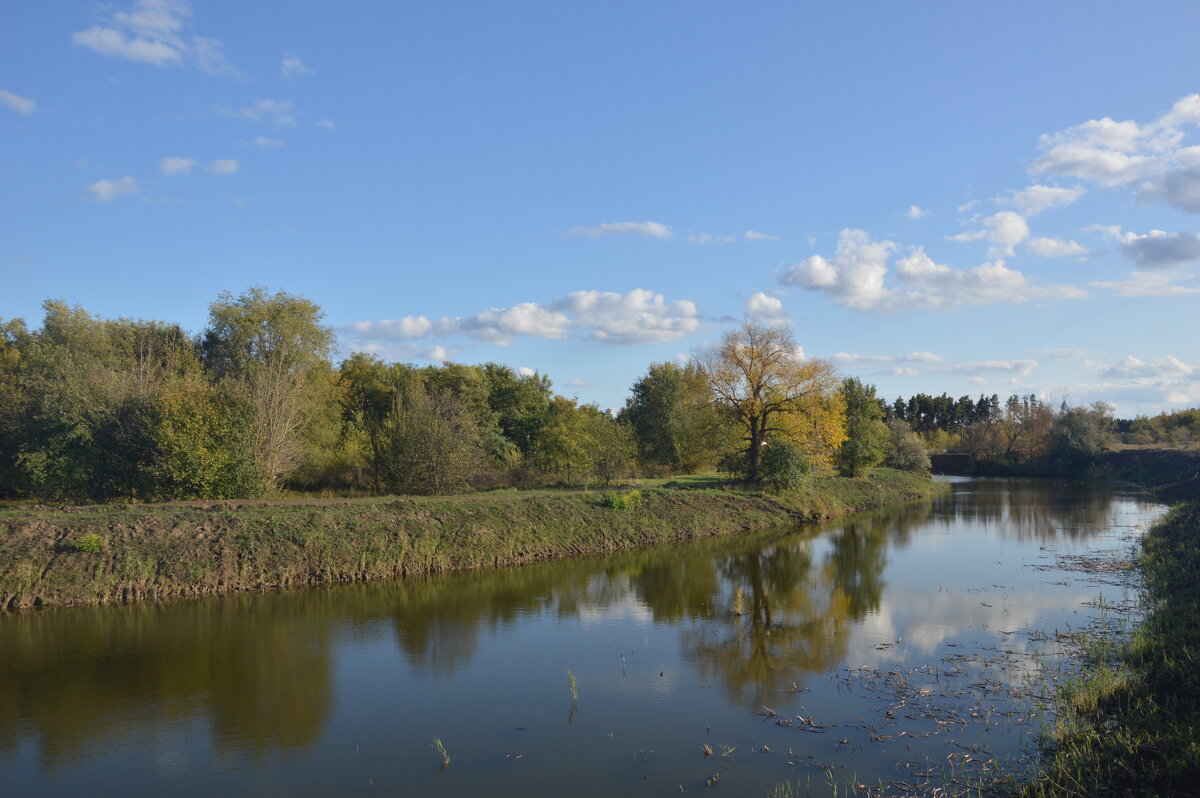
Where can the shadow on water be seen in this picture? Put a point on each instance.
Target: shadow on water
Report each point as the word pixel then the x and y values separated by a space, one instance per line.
pixel 259 673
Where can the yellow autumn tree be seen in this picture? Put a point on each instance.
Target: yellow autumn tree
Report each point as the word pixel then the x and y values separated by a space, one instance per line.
pixel 761 379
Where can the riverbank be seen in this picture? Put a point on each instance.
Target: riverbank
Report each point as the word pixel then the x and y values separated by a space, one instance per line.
pixel 1132 725
pixel 57 556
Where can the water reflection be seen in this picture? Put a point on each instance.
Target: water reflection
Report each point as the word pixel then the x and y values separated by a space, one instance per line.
pixel 258 673
pixel 257 668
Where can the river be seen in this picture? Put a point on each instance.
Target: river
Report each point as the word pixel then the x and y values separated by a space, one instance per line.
pixel 908 645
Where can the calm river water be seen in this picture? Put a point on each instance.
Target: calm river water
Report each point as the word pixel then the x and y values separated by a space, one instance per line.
pixel 884 644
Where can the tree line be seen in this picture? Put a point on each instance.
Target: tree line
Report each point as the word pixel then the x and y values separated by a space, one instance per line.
pixel 95 409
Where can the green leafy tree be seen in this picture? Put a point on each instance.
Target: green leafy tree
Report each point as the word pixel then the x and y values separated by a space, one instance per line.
pixel 674 419
pixel 866 435
pixel 905 449
pixel 785 465
pixel 1083 433
pixel 277 347
pixel 521 404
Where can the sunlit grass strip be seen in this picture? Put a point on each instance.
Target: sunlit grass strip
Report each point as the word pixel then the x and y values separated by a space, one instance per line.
pixel 201 548
pixel 1131 726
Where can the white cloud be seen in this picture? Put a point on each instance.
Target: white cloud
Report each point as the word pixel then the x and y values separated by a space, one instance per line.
pixel 1144 284
pixel 578 383
pixel 154 32
pixel 849 359
pixel 265 143
pixel 1158 249
pixel 1056 248
pixel 224 166
pixel 106 190
pixel 1148 159
pixel 652 229
pixel 1004 230
pixel 709 238
pixel 1032 200
pixel 754 235
pixel 281 112
pixel 292 65
pixel 856 278
pixel 22 105
pixel 638 316
pixel 176 165
pixel 765 309
pixel 1022 368
pixel 403 329
pixel 1131 367
pixel 1066 352
pixel 916 212
pixel 326 123
pixel 525 371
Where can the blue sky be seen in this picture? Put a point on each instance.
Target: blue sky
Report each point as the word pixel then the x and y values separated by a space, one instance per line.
pixel 947 197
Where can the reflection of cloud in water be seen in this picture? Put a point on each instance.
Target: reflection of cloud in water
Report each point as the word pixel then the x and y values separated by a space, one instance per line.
pixel 624 607
pixel 948 616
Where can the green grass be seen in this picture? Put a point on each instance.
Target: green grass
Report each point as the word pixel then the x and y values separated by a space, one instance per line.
pixel 1131 726
pixel 206 547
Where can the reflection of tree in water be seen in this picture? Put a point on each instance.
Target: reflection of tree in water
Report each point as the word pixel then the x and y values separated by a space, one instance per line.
pixel 256 667
pixel 796 613
pixel 1032 509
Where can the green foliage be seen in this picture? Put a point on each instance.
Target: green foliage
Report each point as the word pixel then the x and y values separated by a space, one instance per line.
pixel 431 445
pixel 1082 434
pixel 905 449
pixel 580 444
pixel 89 542
pixel 276 346
pixel 785 465
pixel 621 500
pixel 866 435
pixel 674 420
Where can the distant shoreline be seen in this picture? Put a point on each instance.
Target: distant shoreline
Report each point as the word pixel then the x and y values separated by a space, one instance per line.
pixel 65 556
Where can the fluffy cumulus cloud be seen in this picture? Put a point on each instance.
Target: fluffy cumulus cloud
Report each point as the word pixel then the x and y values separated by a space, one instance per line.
pixel 1154 159
pixel 980 368
pixel 916 212
pixel 1004 230
pixel 766 309
pixel 281 112
pixel 292 65
pixel 1131 367
pixel 1158 249
pixel 1150 284
pixel 156 32
pixel 176 165
pixel 1056 248
pixel 856 277
pixel 1032 200
pixel 651 229
pixel 107 190
pixel 638 316
pixel 22 105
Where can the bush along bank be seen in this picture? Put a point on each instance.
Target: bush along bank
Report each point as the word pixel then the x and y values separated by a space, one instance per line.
pixel 1131 725
pixel 96 554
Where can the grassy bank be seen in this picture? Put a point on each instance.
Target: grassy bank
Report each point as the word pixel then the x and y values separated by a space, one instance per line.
pixel 1131 726
pixel 85 555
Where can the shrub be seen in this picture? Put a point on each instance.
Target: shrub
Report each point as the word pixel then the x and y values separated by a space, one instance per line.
pixel 90 543
pixel 624 500
pixel 785 465
pixel 905 450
